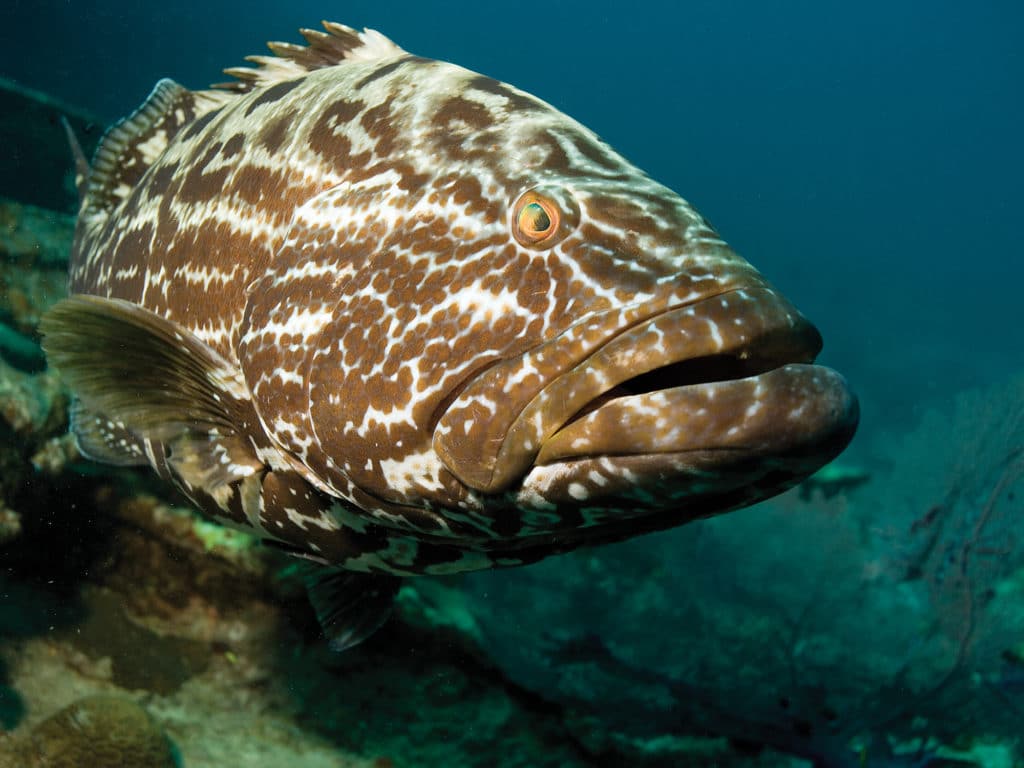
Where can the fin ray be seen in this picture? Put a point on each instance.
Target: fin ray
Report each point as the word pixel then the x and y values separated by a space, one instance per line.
pixel 351 606
pixel 103 439
pixel 81 164
pixel 141 377
pixel 324 49
pixel 146 372
pixel 130 146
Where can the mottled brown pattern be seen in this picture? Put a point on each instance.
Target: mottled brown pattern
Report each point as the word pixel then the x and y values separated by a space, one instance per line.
pixel 459 113
pixel 201 184
pixel 275 132
pixel 385 70
pixel 233 146
pixel 422 383
pixel 197 126
pixel 255 185
pixel 515 101
pixel 602 156
pixel 271 95
pixel 328 139
pixel 380 125
pixel 160 179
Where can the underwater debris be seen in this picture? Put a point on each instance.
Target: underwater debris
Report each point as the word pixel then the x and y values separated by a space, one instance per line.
pixel 95 732
pixel 30 404
pixel 34 245
pixel 34 237
pixel 32 408
pixel 137 657
pixel 20 350
pixel 55 454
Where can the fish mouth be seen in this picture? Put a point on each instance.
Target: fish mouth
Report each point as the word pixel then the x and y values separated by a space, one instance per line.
pixel 761 411
pixel 680 396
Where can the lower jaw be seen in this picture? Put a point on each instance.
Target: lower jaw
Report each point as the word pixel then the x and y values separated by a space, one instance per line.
pixel 689 483
pixel 696 448
pixel 625 508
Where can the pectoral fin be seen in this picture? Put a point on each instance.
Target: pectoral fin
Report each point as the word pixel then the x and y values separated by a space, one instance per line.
pixel 154 380
pixel 103 439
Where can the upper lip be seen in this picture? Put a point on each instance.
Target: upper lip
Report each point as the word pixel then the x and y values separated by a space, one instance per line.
pixel 732 334
pixel 781 336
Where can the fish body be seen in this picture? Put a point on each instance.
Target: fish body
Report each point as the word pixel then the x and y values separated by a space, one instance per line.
pixel 400 318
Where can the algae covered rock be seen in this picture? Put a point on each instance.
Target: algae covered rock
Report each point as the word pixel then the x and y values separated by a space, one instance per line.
pixel 99 732
pixel 34 245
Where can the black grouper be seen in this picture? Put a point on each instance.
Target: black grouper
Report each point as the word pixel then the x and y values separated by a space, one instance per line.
pixel 398 318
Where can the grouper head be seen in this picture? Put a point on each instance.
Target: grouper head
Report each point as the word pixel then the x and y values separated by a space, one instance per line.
pixel 516 332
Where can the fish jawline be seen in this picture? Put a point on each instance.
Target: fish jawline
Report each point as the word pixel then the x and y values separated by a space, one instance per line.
pixel 750 451
pixel 792 410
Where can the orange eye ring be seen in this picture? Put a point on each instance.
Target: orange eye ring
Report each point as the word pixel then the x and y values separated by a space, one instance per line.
pixel 536 221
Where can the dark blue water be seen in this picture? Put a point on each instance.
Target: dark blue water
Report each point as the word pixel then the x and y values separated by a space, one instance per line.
pixel 866 157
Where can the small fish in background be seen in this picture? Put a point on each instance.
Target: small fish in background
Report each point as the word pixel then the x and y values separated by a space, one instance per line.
pixel 398 318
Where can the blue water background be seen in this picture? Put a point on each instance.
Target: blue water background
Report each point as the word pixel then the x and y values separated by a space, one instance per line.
pixel 867 157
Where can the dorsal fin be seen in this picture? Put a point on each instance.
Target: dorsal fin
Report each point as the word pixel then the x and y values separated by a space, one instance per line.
pixel 326 49
pixel 131 145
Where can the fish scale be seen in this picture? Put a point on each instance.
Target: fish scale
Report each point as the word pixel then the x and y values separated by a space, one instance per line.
pixel 398 318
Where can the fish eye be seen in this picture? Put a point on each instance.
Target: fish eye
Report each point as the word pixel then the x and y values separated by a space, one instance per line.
pixel 537 220
pixel 534 220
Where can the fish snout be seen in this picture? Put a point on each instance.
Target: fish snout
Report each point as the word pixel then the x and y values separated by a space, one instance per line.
pixel 725 408
pixel 653 387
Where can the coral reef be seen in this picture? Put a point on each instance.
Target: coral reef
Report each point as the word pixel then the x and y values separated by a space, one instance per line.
pixel 97 731
pixel 218 638
pixel 33 253
pixel 34 245
pixel 10 525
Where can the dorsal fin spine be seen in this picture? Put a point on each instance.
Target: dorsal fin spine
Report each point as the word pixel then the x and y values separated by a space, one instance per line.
pixel 81 164
pixel 325 49
pixel 131 145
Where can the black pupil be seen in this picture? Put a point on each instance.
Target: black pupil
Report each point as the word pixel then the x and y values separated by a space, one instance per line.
pixel 539 221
